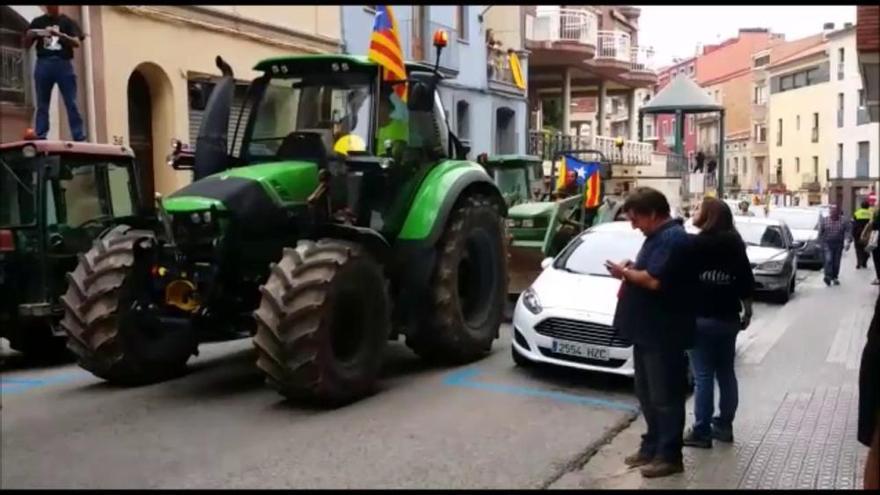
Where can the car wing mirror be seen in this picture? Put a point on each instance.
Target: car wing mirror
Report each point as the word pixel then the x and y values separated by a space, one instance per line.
pixel 546 263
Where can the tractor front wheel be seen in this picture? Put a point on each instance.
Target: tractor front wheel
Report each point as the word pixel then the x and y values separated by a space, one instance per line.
pixel 105 332
pixel 323 323
pixel 469 286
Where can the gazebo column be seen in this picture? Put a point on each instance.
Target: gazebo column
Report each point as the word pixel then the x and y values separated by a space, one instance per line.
pixel 566 101
pixel 600 110
pixel 720 168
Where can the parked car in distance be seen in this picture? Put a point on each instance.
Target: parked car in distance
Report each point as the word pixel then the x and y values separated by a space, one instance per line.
pixel 565 317
pixel 772 252
pixel 804 225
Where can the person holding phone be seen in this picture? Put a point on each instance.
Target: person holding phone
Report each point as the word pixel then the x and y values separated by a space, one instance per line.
pixel 724 307
pixel 654 312
pixel 56 36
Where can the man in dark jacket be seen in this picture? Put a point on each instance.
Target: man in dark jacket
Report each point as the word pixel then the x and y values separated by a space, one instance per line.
pixel 869 401
pixel 57 36
pixel 654 312
pixel 861 218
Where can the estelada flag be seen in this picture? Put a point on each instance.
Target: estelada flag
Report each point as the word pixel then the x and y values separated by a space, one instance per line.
pixel 588 175
pixel 385 48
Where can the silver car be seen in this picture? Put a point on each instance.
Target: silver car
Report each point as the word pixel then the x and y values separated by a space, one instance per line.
pixel 804 225
pixel 772 252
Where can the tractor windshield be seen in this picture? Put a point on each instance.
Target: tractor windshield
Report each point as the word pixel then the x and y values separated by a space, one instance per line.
pixel 338 107
pixel 89 191
pixel 18 180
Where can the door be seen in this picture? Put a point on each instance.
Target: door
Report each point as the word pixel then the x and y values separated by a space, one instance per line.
pixel 140 132
pixel 419 28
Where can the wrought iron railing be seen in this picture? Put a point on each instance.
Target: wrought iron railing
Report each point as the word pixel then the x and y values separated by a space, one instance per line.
pixel 614 45
pixel 499 67
pixel 547 144
pixel 12 74
pixel 642 59
pixel 575 25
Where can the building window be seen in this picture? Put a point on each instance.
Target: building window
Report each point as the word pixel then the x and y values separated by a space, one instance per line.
pixel 762 61
pixel 815 131
pixel 797 123
pixel 839 109
pixel 735 170
pixel 690 124
pixel 461 21
pixel 840 54
pixel 760 97
pixel 13 76
pixel 779 133
pixel 839 160
pixel 797 164
pixel 786 83
pixel 815 169
pixel 812 77
pixel 862 169
pixel 463 119
pixel 800 79
pixel 691 69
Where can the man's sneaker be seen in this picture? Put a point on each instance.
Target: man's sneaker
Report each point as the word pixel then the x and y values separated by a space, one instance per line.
pixel 691 439
pixel 827 281
pixel 659 469
pixel 835 281
pixel 722 433
pixel 637 459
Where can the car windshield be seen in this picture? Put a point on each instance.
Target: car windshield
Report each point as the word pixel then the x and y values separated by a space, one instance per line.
pixel 17 185
pixel 334 106
pixel 797 219
pixel 588 253
pixel 756 234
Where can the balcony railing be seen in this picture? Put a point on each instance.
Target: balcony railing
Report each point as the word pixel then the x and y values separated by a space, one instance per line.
pixel 12 71
pixel 862 169
pixel 839 169
pixel 614 45
pixel 546 145
pixel 862 116
pixel 814 135
pixel 418 46
pixel 642 59
pixel 499 67
pixel 810 182
pixel 676 165
pixel 574 25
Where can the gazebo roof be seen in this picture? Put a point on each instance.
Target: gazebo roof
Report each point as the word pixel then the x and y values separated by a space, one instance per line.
pixel 681 94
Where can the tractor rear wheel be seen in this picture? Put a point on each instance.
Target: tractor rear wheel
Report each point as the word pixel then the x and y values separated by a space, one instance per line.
pixel 323 323
pixel 469 286
pixel 108 337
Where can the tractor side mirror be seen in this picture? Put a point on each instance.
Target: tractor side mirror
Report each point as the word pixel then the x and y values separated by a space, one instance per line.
pixel 421 94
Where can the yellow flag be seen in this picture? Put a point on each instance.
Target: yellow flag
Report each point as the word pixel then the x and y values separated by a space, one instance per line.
pixel 516 70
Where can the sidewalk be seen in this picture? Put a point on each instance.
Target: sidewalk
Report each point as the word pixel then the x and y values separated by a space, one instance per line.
pixel 798 382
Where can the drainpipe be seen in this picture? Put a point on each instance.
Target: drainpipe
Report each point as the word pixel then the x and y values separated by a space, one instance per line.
pixel 90 75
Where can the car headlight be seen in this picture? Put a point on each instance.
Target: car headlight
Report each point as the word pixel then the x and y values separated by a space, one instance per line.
pixel 531 302
pixel 775 266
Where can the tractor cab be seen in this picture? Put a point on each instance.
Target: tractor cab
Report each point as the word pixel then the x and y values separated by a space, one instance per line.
pixel 519 177
pixel 55 199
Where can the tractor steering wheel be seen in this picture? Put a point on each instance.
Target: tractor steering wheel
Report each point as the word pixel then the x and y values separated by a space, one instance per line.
pixel 99 220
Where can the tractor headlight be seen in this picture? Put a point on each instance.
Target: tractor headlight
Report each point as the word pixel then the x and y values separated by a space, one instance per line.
pixel 29 151
pixel 528 223
pixel 771 267
pixel 195 218
pixel 531 302
pixel 511 223
pixel 206 216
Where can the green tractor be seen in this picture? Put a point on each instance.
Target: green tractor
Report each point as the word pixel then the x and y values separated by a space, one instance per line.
pixel 519 177
pixel 56 198
pixel 540 229
pixel 348 217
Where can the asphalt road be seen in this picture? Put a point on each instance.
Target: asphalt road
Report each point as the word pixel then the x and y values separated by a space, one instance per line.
pixel 486 425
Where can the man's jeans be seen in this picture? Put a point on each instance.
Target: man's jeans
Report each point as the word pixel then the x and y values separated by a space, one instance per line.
pixel 712 358
pixel 661 388
pixel 49 72
pixel 833 252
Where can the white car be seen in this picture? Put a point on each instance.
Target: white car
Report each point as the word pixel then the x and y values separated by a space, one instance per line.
pixel 565 317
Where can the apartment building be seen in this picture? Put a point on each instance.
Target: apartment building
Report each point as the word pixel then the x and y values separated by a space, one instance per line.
pixel 868 46
pixel 594 53
pixel 855 141
pixel 484 106
pixel 801 123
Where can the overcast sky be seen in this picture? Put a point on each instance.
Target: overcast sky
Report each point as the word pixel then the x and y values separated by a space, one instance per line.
pixel 674 31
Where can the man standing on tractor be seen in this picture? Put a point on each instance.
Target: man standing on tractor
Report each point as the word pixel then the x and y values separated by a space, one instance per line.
pixel 58 35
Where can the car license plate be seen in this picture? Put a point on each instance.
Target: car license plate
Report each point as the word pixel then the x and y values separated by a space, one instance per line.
pixel 580 350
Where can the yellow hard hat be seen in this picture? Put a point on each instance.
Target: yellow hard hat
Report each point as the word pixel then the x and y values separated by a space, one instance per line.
pixel 349 143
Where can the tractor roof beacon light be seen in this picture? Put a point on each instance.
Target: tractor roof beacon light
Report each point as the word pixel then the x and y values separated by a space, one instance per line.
pixel 441 39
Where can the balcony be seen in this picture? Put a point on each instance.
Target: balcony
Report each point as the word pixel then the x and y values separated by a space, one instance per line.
pixel 561 36
pixel 810 183
pixel 12 75
pixel 418 47
pixel 814 135
pixel 642 67
pixel 499 73
pixel 614 49
pixel 546 145
pixel 862 116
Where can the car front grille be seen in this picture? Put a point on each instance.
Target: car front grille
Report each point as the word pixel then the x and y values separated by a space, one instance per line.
pixel 581 331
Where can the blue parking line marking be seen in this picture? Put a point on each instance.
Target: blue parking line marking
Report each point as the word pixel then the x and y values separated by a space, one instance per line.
pixel 11 386
pixel 464 378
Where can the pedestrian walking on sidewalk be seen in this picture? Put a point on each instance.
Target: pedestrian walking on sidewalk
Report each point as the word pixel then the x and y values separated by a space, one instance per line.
pixel 835 237
pixel 57 35
pixel 869 401
pixel 875 253
pixel 861 218
pixel 654 311
pixel 724 290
